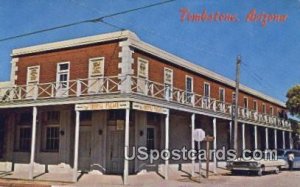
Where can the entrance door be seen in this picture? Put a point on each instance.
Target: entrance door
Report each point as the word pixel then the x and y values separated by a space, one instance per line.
pixel 84 148
pixel 115 151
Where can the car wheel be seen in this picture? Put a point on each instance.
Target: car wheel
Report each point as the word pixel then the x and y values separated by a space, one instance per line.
pixel 259 172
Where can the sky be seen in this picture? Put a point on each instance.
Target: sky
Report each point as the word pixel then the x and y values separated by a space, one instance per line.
pixel 270 54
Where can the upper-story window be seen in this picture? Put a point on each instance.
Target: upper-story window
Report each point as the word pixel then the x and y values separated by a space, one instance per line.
pixel 96 73
pixel 272 110
pixel 222 95
pixel 142 73
pixel 142 68
pixel 62 79
pixel 33 77
pixel 189 88
pixel 168 81
pixel 255 106
pixel 264 108
pixel 246 102
pixel 206 90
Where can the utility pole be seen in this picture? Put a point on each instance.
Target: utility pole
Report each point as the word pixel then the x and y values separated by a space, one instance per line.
pixel 235 117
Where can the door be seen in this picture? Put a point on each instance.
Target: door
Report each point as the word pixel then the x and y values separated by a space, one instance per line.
pixel 2 120
pixel 62 79
pixel 84 148
pixel 115 151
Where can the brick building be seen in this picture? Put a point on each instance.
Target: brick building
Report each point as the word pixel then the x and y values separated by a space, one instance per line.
pixel 74 105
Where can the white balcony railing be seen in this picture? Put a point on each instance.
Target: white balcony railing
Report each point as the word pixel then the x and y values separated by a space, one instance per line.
pixel 112 85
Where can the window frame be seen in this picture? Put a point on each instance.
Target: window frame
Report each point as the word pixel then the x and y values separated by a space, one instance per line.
pixel 221 89
pixel 255 105
pixel 102 73
pixel 139 61
pixel 206 83
pixel 60 72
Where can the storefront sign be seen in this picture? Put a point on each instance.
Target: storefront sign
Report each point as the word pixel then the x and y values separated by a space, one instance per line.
pixel 149 108
pixel 102 106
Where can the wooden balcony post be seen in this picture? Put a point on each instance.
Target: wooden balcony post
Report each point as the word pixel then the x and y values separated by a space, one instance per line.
pixel 193 141
pixel 215 143
pixel 78 86
pixel 243 137
pixel 275 138
pixel 283 140
pixel 126 147
pixel 267 138
pixel 167 117
pixel 255 137
pixel 33 142
pixel 76 146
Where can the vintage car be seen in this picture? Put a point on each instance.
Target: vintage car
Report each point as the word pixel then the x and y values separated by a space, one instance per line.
pixel 257 166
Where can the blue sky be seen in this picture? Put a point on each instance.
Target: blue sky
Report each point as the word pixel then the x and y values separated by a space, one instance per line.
pixel 270 54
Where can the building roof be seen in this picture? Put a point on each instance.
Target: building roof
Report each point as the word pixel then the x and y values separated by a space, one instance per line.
pixel 136 42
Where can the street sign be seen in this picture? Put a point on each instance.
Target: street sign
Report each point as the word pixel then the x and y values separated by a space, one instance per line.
pixel 199 135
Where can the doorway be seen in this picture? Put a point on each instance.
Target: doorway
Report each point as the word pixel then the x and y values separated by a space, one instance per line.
pixel 84 163
pixel 115 150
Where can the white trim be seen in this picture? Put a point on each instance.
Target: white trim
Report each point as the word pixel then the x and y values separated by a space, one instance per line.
pixel 74 42
pixel 58 72
pixel 171 70
pixel 27 75
pixel 137 43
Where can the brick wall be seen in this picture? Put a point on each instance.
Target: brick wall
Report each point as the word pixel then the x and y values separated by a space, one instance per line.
pixel 156 74
pixel 78 58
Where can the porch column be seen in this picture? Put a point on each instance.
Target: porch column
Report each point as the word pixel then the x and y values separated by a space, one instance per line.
pixel 283 140
pixel 255 137
pixel 215 143
pixel 291 140
pixel 76 146
pixel 33 139
pixel 275 138
pixel 267 138
pixel 126 148
pixel 193 142
pixel 167 144
pixel 243 137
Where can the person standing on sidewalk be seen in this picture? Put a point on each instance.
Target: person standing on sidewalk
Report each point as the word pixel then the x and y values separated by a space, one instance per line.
pixel 291 158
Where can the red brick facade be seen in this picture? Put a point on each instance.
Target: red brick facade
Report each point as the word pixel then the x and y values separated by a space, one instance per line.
pixel 79 57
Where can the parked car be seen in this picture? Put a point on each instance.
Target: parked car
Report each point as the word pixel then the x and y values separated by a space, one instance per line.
pixel 283 154
pixel 256 166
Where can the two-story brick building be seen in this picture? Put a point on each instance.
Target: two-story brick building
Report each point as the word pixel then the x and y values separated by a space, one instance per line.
pixel 74 105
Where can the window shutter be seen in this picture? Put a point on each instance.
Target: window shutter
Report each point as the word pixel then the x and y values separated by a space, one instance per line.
pixel 33 76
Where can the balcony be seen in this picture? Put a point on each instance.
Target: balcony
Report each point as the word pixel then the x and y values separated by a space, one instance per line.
pixel 112 85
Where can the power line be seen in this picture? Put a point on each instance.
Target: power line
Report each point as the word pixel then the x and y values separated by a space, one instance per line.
pixel 95 20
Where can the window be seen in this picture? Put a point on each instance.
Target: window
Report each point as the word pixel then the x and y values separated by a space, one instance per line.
pixel 222 95
pixel 189 88
pixel 150 143
pixel 52 138
pixel 142 82
pixel 96 67
pixel 53 116
pixel 264 108
pixel 51 132
pixel 96 73
pixel 24 138
pixel 271 110
pixel 62 78
pixel 245 102
pixel 168 80
pixel 255 105
pixel 206 89
pixel 142 68
pixel 33 74
pixel 86 115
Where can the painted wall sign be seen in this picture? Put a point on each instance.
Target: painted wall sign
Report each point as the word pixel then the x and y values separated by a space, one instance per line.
pixel 149 108
pixel 102 106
